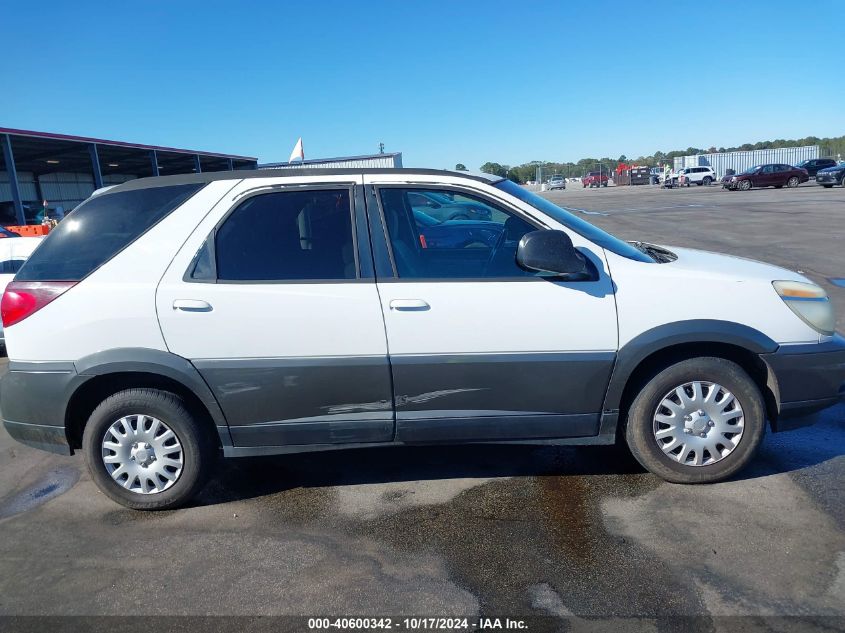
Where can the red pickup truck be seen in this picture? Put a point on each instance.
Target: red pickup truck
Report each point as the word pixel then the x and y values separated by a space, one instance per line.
pixel 595 179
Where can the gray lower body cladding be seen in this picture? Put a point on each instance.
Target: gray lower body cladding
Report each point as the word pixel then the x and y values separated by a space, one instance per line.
pixel 481 397
pixel 33 397
pixel 466 397
pixel 809 378
pixel 279 401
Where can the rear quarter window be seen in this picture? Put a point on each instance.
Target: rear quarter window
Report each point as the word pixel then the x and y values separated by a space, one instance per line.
pixel 99 229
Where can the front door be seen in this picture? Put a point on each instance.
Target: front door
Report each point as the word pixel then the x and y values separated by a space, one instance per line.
pixel 273 300
pixel 767 177
pixel 481 349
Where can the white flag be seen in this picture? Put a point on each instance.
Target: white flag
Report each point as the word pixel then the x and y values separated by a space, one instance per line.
pixel 298 151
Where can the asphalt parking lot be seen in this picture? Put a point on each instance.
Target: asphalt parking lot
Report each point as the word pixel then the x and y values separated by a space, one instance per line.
pixel 467 530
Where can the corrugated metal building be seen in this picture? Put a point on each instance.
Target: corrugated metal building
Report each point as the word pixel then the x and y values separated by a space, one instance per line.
pixel 740 161
pixel 393 159
pixel 64 170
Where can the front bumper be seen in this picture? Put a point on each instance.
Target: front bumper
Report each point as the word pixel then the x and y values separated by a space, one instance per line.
pixel 829 179
pixel 807 378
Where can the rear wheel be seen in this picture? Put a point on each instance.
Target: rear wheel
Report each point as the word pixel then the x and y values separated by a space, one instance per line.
pixel 744 185
pixel 146 451
pixel 792 182
pixel 698 421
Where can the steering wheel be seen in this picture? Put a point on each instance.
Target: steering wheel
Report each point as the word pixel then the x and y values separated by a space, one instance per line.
pixel 493 251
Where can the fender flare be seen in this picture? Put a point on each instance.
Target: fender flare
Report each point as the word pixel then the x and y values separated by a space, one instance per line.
pixel 669 335
pixel 153 361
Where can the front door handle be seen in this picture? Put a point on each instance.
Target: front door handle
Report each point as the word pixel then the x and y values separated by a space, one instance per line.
pixel 409 305
pixel 192 305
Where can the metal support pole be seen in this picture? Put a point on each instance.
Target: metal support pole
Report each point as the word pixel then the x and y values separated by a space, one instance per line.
pixel 154 161
pixel 229 164
pixel 197 163
pixel 9 157
pixel 95 166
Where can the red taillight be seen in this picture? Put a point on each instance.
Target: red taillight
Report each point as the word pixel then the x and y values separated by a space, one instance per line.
pixel 23 298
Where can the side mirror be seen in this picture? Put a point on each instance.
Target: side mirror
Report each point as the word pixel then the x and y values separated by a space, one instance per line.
pixel 550 252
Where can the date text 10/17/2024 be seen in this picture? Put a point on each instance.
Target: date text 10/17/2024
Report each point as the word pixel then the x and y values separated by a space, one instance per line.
pixel 415 624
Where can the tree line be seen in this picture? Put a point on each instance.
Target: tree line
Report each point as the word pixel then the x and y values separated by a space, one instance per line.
pixel 527 171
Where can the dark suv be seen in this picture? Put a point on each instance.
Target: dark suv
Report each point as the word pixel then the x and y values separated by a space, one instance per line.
pixel 813 165
pixel 830 176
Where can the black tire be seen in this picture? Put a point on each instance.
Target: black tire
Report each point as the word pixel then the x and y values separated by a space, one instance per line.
pixel 707 181
pixel 639 431
pixel 198 448
pixel 744 185
pixel 793 182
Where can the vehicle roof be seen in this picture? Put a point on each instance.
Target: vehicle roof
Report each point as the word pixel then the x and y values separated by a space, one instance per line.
pixel 204 178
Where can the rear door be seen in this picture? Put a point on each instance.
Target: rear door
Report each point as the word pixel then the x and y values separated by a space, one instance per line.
pixel 480 349
pixel 273 299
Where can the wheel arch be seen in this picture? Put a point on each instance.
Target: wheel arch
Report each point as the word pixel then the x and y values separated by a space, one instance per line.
pixel 105 373
pixel 645 355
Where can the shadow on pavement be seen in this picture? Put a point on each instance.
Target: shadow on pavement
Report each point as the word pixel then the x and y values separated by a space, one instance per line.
pixel 247 478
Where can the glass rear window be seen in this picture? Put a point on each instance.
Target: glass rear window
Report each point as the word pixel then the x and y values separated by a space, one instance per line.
pixel 98 229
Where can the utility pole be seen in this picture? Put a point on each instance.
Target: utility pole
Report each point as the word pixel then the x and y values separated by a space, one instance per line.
pixel 381 148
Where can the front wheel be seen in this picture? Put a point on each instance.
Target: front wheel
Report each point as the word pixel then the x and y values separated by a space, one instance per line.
pixel 146 451
pixel 707 180
pixel 792 182
pixel 698 421
pixel 745 185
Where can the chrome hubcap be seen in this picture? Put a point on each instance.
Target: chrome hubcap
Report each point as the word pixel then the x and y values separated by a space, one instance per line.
pixel 142 454
pixel 698 423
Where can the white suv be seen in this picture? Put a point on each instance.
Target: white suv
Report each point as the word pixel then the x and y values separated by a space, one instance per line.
pixel 172 319
pixel 699 175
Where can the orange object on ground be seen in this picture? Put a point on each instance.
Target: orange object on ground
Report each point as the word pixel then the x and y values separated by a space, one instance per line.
pixel 30 230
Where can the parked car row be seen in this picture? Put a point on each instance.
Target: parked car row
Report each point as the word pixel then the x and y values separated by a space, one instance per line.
pixel 825 170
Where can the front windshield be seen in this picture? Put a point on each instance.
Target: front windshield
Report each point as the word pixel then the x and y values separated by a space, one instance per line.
pixel 572 221
pixel 751 170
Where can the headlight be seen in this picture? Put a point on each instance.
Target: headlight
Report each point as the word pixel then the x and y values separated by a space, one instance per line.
pixel 733 178
pixel 809 302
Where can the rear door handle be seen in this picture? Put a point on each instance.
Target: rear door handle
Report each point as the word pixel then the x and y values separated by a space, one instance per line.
pixel 409 305
pixel 192 305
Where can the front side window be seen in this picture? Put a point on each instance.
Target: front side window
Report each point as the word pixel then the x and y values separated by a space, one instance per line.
pixel 768 169
pixel 464 237
pixel 285 236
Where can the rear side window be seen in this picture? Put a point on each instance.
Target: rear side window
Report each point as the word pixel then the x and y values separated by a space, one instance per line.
pixel 99 229
pixel 285 236
pixel 11 266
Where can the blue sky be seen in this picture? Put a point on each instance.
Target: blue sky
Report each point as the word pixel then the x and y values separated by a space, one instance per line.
pixel 443 82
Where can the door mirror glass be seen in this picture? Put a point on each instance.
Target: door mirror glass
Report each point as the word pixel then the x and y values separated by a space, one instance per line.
pixel 550 252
